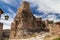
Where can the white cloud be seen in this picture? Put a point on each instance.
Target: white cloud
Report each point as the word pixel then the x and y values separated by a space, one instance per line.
pixel 37 16
pixel 12 12
pixel 7 23
pixel 5 26
pixel 51 17
pixel 14 3
pixel 47 5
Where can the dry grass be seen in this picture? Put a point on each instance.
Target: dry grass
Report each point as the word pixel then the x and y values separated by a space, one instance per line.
pixel 51 37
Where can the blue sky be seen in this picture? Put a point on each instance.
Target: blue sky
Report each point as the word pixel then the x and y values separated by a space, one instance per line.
pixel 47 9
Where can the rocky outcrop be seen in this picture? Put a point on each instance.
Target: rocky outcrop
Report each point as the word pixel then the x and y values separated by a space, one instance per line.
pixel 25 23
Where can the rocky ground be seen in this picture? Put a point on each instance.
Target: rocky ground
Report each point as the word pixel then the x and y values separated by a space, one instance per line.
pixel 40 36
pixel 52 37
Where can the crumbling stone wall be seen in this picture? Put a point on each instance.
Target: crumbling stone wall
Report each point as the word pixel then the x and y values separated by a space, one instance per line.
pixel 54 28
pixel 1 30
pixel 24 22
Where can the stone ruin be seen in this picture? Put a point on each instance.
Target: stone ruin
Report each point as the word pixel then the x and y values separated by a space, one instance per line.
pixel 54 28
pixel 1 31
pixel 25 23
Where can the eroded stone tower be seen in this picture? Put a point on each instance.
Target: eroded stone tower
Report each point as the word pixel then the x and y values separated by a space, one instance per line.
pixel 24 22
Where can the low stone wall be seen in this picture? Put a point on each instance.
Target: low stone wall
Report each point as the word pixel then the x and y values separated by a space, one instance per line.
pixel 1 30
pixel 54 28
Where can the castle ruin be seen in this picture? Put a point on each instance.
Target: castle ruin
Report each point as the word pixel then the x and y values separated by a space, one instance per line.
pixel 1 31
pixel 25 22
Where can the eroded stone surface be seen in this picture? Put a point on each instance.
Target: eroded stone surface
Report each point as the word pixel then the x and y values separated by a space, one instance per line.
pixel 1 31
pixel 25 23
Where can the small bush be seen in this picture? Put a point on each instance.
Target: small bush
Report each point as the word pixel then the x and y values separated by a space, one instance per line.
pixel 47 36
pixel 33 35
pixel 57 38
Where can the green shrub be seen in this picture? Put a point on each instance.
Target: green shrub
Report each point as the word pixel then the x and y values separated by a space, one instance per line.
pixel 57 38
pixel 47 36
